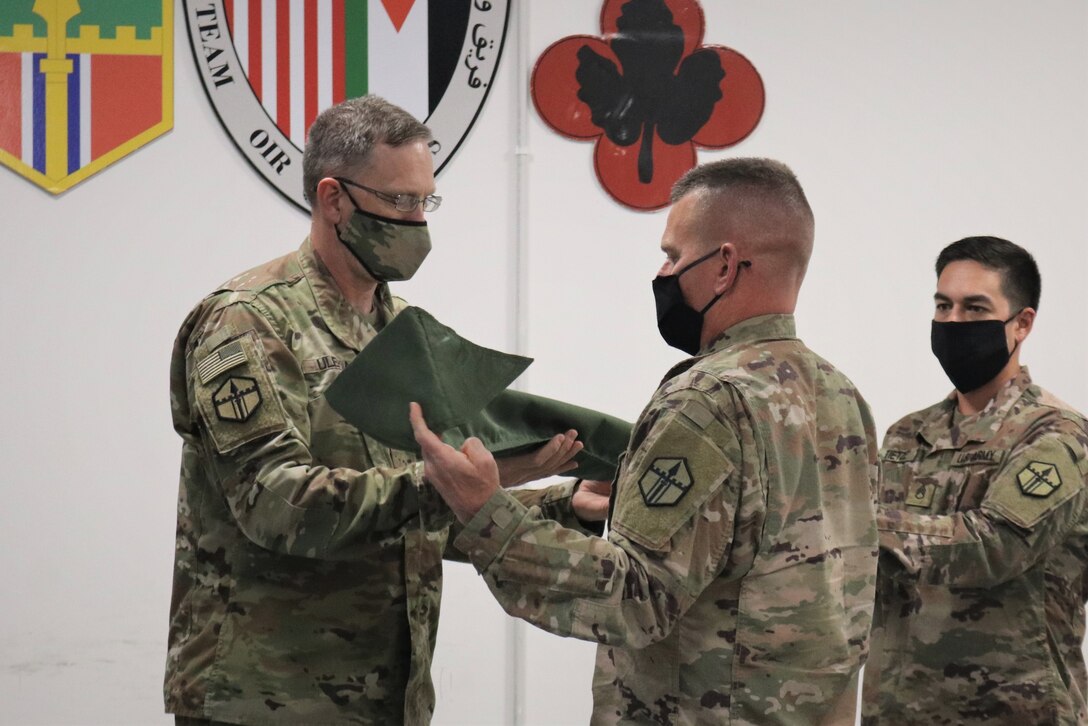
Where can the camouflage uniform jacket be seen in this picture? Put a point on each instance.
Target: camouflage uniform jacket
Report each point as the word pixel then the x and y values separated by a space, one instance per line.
pixel 736 584
pixel 984 556
pixel 309 557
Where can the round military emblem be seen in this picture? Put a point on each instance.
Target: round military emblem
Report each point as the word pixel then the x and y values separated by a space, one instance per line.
pixel 269 67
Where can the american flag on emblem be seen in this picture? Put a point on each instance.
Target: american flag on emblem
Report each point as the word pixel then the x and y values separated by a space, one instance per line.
pixel 221 360
pixel 302 56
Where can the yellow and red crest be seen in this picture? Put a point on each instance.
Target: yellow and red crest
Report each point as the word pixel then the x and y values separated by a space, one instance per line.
pixel 82 84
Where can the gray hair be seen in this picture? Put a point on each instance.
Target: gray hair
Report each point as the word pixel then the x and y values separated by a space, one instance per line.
pixel 343 135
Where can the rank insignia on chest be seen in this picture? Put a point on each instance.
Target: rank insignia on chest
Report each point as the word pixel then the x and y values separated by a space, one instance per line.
pixel 665 482
pixel 921 495
pixel 237 399
pixel 1039 479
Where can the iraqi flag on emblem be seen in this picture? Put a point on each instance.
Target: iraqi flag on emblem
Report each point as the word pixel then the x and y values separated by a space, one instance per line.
pixel 302 56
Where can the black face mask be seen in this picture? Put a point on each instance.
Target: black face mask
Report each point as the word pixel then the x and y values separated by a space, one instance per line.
pixel 971 353
pixel 680 324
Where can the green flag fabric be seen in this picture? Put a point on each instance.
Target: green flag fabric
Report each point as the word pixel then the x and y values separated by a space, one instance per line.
pixel 462 388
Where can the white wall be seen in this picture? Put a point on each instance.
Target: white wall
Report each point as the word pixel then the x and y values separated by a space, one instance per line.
pixel 910 124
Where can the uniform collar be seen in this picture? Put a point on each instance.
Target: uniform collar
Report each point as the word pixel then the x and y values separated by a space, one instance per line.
pixel 777 326
pixel 763 327
pixel 941 432
pixel 338 314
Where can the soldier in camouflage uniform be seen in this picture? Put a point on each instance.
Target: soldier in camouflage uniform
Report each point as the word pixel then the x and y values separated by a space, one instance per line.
pixel 983 523
pixel 736 584
pixel 308 566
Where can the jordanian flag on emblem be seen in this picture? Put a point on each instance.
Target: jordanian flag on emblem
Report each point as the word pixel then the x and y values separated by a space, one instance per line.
pixel 82 84
pixel 302 56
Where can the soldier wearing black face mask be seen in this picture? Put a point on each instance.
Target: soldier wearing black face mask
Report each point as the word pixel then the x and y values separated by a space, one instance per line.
pixel 737 581
pixel 984 531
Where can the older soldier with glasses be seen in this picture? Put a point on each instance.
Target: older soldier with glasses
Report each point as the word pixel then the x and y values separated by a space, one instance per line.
pixel 309 556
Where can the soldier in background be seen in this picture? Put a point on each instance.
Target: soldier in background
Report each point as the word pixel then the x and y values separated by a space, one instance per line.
pixel 737 581
pixel 309 556
pixel 983 526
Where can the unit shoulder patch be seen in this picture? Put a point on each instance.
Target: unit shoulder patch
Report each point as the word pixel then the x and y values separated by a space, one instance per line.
pixel 1036 481
pixel 234 392
pixel 669 478
pixel 237 399
pixel 665 481
pixel 1039 479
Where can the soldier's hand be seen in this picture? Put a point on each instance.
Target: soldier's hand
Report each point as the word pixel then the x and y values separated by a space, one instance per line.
pixel 554 457
pixel 466 479
pixel 590 500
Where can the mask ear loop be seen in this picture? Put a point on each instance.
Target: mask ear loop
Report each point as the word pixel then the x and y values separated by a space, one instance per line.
pixel 1017 343
pixel 713 300
pixel 351 199
pixel 699 261
pixel 716 298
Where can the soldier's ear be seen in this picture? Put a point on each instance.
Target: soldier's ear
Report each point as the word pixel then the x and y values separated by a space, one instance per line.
pixel 1025 321
pixel 725 264
pixel 327 201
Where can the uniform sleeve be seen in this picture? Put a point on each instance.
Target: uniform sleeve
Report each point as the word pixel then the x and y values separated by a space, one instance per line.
pixel 554 502
pixel 677 498
pixel 1034 502
pixel 249 401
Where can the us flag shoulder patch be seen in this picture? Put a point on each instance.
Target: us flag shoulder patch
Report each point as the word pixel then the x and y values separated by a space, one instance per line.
pixel 221 360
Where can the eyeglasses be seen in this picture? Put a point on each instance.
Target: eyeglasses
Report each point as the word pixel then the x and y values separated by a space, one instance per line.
pixel 402 202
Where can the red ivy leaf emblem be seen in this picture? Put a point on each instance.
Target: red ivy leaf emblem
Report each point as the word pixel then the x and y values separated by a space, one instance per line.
pixel 649 92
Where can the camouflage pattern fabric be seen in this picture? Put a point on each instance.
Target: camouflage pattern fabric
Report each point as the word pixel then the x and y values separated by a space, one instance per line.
pixel 309 557
pixel 984 548
pixel 736 584
pixel 389 250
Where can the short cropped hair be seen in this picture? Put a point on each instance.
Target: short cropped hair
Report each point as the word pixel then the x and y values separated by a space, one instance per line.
pixel 342 136
pixel 1020 280
pixel 763 176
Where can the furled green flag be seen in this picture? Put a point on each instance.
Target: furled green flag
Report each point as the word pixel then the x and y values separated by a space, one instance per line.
pixel 462 388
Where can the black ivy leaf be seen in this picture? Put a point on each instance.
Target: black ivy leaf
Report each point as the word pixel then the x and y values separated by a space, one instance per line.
pixel 655 89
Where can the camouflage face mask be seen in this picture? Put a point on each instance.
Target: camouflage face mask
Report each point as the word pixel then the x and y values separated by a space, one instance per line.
pixel 389 249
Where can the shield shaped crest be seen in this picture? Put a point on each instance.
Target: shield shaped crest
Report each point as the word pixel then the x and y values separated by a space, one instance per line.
pixel 270 66
pixel 82 84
